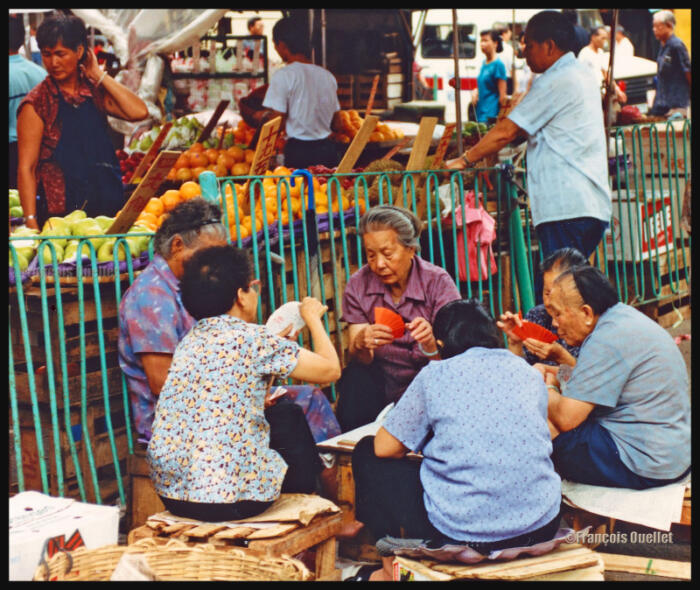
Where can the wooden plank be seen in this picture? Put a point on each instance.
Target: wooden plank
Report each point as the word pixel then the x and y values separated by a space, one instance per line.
pixel 325 560
pixel 646 565
pixel 239 532
pixel 204 531
pixel 318 530
pixel 419 151
pixel 273 531
pixel 586 574
pixel 150 156
pixel 216 115
pixel 357 145
pixel 144 191
pixel 372 93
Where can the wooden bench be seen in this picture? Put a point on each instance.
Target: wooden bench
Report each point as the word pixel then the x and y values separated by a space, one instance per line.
pixel 142 498
pixel 284 539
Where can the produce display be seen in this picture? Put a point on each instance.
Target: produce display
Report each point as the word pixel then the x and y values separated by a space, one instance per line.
pixel 350 122
pixel 472 132
pixel 157 208
pixel 181 136
pixel 128 163
pixel 26 249
pixel 15 205
pixel 232 161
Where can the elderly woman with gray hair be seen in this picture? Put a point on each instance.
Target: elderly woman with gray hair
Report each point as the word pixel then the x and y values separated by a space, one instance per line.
pixel 382 365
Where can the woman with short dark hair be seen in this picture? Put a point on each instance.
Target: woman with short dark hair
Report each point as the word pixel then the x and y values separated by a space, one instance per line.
pixel 212 451
pixel 63 135
pixel 490 94
pixel 479 418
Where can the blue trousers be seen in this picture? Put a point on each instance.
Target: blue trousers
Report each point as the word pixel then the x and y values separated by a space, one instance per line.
pixel 583 233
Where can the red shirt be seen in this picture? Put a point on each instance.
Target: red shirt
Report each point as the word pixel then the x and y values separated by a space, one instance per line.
pixel 44 99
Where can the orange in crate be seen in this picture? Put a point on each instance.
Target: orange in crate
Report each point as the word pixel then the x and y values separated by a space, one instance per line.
pixel 170 199
pixel 249 155
pixel 199 159
pixel 236 153
pixel 190 190
pixel 183 174
pixel 154 206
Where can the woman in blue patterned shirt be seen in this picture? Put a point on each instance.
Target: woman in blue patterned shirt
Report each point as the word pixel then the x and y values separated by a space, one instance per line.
pixel 534 351
pixel 479 418
pixel 213 454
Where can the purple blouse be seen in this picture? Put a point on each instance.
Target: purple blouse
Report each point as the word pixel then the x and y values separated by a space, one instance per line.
pixel 429 287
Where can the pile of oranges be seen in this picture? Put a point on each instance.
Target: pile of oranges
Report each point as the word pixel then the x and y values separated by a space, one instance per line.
pixel 157 208
pixel 287 209
pixel 243 134
pixel 234 161
pixel 349 123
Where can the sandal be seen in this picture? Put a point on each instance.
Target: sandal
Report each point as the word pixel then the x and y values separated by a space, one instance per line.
pixel 363 573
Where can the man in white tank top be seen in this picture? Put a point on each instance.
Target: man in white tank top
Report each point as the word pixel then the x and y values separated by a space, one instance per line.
pixel 305 95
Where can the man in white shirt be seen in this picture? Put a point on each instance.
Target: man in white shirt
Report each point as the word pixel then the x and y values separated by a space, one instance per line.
pixel 562 118
pixel 306 96
pixel 595 57
pixel 623 46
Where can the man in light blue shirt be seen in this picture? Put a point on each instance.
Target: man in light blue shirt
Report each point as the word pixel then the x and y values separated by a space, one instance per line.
pixel 562 118
pixel 23 76
pixel 622 418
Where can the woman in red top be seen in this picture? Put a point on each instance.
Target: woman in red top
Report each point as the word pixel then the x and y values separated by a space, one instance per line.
pixel 62 133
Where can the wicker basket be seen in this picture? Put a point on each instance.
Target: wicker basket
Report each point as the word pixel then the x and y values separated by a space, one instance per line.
pixel 174 561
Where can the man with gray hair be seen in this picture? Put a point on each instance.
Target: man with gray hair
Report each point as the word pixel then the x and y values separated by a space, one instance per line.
pixel 673 75
pixel 152 318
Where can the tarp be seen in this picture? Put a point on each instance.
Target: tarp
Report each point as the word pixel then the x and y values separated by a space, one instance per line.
pixel 139 37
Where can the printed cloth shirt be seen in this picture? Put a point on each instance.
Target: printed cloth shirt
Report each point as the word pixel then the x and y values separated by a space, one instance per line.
pixel 567 160
pixel 539 315
pixel 152 319
pixel 211 441
pixel 632 370
pixel 480 420
pixel 45 100
pixel 429 287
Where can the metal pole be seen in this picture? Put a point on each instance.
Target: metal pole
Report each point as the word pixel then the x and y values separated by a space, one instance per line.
pixel 610 81
pixel 311 35
pixel 323 37
pixel 458 83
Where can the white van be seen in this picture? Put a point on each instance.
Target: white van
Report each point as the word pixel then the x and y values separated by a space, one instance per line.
pixel 432 30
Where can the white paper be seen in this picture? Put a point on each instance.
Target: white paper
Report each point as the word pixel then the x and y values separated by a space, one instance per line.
pixel 358 433
pixel 656 507
pixel 283 316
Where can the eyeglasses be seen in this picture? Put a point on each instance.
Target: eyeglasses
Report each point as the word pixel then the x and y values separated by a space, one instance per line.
pixel 256 285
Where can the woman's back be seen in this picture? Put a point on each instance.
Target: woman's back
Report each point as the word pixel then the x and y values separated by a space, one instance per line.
pixel 486 470
pixel 209 421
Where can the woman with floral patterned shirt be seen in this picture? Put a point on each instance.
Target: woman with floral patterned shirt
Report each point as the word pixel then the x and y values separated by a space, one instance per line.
pixel 210 453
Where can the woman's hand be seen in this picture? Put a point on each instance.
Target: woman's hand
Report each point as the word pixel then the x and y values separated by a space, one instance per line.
pixel 503 101
pixel 288 334
pixel 508 321
pixel 475 96
pixel 90 68
pixel 422 332
pixel 374 336
pixel 543 350
pixel 545 370
pixel 311 309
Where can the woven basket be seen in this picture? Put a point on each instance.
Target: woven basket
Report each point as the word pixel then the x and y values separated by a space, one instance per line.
pixel 174 561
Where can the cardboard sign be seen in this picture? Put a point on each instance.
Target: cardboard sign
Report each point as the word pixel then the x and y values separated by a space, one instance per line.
pixel 441 150
pixel 209 127
pixel 144 191
pixel 357 145
pixel 264 149
pixel 419 152
pixel 147 160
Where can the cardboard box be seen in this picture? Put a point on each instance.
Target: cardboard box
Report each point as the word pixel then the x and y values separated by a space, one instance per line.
pixel 640 227
pixel 41 525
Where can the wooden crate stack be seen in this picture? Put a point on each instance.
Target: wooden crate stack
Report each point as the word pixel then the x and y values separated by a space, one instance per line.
pixel 95 410
pixel 389 90
pixel 346 91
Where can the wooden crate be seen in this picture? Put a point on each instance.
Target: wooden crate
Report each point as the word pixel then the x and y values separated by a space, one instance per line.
pixel 652 155
pixel 346 91
pixel 283 539
pixel 389 89
pixel 100 446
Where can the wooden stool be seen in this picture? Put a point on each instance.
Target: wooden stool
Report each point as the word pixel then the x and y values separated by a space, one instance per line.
pixel 284 539
pixel 142 501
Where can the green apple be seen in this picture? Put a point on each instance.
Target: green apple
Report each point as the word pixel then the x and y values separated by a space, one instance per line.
pixel 135 248
pixel 48 259
pixel 106 251
pixel 23 230
pixel 87 228
pixel 21 259
pixel 142 240
pixel 57 226
pixel 75 215
pixel 14 200
pixel 71 250
pixel 104 221
pixel 16 212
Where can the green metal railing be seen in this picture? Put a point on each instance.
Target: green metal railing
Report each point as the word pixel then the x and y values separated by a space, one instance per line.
pixel 52 411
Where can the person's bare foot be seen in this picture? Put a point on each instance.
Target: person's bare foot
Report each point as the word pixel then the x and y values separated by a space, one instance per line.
pixel 350 529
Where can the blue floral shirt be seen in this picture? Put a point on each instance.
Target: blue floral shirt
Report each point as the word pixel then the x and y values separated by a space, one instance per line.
pixel 480 420
pixel 211 442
